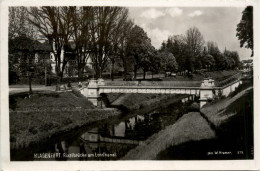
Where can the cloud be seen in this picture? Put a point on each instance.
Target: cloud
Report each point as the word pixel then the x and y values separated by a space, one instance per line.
pixel 195 13
pixel 152 13
pixel 174 12
pixel 157 35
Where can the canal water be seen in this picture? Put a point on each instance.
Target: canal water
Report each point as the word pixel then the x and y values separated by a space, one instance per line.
pixel 113 141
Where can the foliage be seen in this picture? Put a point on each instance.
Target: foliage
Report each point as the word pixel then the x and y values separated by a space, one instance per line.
pixel 18 23
pixel 53 24
pixel 168 62
pixel 110 40
pixel 245 29
pixel 141 49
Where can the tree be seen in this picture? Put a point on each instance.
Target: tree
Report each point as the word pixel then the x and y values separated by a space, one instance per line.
pixel 127 61
pixel 140 47
pixel 22 48
pixel 245 29
pixel 194 41
pixel 105 19
pixel 54 24
pixel 177 46
pixel 18 27
pixel 155 63
pixel 233 55
pixel 168 62
pixel 81 20
pixel 147 59
pixel 208 61
pixel 233 59
pixel 213 50
pixel 118 38
pixel 18 23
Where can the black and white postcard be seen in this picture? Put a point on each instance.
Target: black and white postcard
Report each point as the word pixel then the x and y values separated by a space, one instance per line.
pixel 129 85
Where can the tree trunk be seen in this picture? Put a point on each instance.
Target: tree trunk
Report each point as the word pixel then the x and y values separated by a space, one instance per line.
pixel 58 84
pixel 79 72
pixel 135 72
pixel 125 67
pixel 112 70
pixel 144 73
pixel 100 73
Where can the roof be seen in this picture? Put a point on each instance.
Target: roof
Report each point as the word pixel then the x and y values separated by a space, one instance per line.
pixel 24 43
pixel 38 46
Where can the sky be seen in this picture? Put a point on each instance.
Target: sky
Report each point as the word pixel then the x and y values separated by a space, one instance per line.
pixel 216 24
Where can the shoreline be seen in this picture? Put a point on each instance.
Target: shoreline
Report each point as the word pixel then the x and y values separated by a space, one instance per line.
pixel 112 115
pixel 192 126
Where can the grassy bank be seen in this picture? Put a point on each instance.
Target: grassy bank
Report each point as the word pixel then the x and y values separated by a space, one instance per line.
pixel 228 120
pixel 43 115
pixel 48 101
pixel 222 110
pixel 216 75
pixel 132 102
pixel 189 127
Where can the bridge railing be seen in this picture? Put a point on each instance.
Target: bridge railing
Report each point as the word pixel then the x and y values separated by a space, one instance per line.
pixel 155 83
pixel 228 80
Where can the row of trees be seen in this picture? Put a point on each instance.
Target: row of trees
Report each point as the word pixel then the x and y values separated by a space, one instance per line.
pixel 103 34
pixel 108 37
pixel 192 53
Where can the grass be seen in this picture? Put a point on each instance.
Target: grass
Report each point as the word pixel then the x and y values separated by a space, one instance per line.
pixel 221 77
pixel 216 75
pixel 38 126
pixel 189 127
pixel 137 101
pixel 227 116
pixel 50 101
pixel 46 114
pixel 220 111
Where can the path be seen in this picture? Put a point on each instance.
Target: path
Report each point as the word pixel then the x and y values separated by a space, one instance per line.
pixel 13 89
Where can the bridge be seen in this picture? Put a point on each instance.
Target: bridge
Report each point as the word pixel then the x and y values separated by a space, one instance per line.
pixel 205 89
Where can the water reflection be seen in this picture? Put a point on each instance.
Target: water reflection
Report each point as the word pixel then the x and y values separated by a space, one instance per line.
pixel 113 141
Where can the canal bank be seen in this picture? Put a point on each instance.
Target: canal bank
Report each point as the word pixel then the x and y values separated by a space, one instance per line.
pixel 228 131
pixel 47 118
